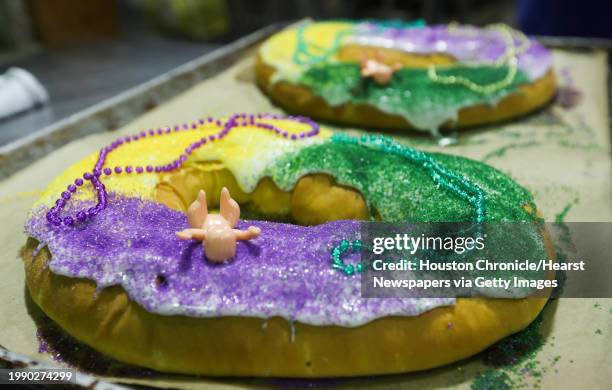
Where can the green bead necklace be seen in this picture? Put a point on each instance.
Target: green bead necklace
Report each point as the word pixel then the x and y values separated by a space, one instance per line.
pixel 445 178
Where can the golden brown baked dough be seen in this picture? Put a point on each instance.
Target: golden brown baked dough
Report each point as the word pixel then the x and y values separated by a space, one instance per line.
pixel 300 99
pixel 241 346
pixel 238 346
pixel 316 198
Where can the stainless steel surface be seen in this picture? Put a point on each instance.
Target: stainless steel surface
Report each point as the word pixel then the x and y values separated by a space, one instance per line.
pixel 119 110
pixel 103 68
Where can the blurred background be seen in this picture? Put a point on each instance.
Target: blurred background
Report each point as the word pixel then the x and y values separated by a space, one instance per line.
pixel 78 53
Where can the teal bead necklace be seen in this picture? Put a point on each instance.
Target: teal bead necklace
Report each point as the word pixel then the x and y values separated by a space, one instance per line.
pixel 338 262
pixel 310 54
pixel 304 53
pixel 445 178
pixel 509 59
pixel 442 177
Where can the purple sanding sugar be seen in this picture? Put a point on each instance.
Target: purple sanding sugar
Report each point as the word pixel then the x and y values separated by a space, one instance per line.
pixel 466 44
pixel 285 272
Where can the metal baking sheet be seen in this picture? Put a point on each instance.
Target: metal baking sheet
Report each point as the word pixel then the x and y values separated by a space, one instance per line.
pixel 133 104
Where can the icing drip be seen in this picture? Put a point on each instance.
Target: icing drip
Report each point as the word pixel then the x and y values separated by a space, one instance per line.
pixel 400 188
pixel 491 62
pixel 285 272
pixel 169 276
pixel 410 93
pixel 236 120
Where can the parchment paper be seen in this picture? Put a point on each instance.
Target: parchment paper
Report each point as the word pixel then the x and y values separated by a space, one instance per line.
pixel 561 154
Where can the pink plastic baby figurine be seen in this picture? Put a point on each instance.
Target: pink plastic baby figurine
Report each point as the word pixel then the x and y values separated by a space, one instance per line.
pixel 216 231
pixel 377 69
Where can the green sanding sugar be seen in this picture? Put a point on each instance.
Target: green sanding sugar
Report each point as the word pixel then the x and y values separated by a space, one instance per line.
pixel 411 93
pixel 559 218
pixel 517 348
pixel 398 190
pixel 514 360
pixel 501 151
pixel 493 380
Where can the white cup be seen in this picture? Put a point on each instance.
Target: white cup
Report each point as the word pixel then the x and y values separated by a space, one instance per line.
pixel 20 91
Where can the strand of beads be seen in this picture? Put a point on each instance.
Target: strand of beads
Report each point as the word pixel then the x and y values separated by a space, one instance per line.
pixel 236 120
pixel 445 178
pixel 304 55
pixel 339 250
pixel 509 58
pixel 308 53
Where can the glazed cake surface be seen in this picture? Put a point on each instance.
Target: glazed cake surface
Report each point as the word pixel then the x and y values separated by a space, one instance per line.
pixel 449 75
pixel 106 225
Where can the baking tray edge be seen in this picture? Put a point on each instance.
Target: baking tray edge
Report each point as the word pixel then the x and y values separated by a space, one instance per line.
pixel 119 110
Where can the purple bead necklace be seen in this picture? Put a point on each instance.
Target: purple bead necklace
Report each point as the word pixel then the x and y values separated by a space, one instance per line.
pixel 236 120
